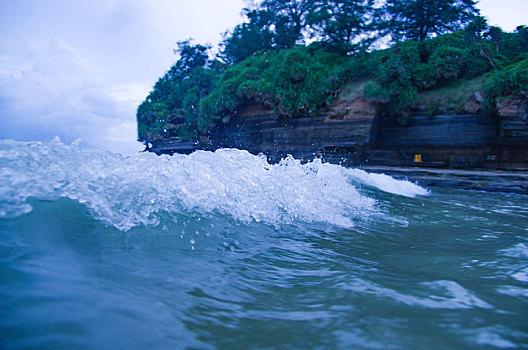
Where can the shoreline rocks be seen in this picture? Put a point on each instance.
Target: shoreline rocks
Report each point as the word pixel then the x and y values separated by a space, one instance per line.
pixel 452 150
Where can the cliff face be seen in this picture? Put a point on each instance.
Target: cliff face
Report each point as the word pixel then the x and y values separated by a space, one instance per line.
pixel 513 113
pixel 352 132
pixel 458 140
pixel 343 131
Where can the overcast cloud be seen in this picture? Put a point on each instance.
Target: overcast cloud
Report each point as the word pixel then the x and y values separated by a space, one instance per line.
pixel 79 69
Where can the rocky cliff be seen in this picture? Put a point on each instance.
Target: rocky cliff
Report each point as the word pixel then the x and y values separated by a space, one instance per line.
pixel 353 132
pixel 513 112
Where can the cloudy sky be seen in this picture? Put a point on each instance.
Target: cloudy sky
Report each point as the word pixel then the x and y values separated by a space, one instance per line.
pixel 79 68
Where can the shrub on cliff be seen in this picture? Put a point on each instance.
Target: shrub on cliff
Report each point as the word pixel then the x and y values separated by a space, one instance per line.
pixel 411 67
pixel 511 80
pixel 292 82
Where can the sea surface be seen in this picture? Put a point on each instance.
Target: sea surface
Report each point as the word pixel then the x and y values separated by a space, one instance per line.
pixel 226 251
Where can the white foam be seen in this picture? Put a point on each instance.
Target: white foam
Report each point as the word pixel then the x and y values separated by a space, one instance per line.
pixel 388 184
pixel 131 191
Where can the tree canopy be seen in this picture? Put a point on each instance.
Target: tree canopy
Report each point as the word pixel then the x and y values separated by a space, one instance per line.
pixel 343 23
pixel 172 106
pixel 281 24
pixel 421 19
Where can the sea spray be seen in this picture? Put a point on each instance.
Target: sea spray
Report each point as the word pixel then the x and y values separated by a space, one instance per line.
pixel 129 191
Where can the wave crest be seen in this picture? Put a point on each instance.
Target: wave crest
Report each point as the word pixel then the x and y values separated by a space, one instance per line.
pixel 131 191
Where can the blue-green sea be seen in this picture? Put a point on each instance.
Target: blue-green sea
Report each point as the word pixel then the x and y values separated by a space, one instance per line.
pixel 222 250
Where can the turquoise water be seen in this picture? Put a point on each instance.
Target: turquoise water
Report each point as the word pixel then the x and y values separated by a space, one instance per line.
pixel 223 250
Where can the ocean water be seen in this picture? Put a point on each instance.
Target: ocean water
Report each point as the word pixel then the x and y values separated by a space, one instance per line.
pixel 225 251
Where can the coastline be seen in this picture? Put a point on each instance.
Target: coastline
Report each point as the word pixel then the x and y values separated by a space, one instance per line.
pixel 493 178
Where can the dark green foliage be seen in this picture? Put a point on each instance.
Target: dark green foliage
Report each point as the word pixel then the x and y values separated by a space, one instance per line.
pixel 277 24
pixel 249 38
pixel 151 119
pixel 392 85
pixel 293 82
pixel 191 57
pixel 291 19
pixel 411 67
pixel 343 23
pixel 513 46
pixel 447 63
pixel 421 19
pixel 476 28
pixel 172 108
pixel 511 80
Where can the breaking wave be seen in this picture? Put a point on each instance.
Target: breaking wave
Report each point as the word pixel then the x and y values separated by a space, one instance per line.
pixel 129 191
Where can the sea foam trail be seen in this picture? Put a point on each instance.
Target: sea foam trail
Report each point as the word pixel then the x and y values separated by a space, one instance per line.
pixel 387 183
pixel 130 191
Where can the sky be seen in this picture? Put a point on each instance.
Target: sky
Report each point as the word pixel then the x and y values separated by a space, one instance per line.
pixel 78 69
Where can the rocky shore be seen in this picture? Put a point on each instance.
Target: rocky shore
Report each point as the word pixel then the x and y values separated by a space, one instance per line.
pixel 471 151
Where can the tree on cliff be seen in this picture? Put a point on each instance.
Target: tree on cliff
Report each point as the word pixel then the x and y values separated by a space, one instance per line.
pixel 277 24
pixel 248 38
pixel 291 19
pixel 172 107
pixel 421 19
pixel 342 24
pixel 191 57
pixel 281 24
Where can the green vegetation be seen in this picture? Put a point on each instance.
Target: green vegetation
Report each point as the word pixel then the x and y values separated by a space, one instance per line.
pixel 292 82
pixel 460 96
pixel 511 80
pixel 173 107
pixel 419 20
pixel 265 61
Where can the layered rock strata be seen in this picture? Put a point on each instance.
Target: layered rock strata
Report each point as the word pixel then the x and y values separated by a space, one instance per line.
pixel 353 133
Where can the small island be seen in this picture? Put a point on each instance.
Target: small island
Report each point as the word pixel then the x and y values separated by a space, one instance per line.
pixel 383 86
